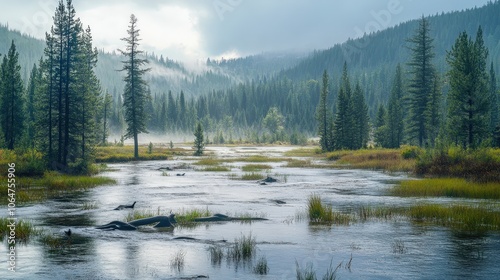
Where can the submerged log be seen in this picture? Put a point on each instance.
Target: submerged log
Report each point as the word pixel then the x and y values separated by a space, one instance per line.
pixel 161 222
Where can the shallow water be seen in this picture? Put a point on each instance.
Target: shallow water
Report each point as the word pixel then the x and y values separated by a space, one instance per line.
pixel 430 252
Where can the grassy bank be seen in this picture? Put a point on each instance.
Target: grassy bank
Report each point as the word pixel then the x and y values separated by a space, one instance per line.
pixel 51 184
pixel 480 165
pixel 392 160
pixel 447 187
pixel 126 153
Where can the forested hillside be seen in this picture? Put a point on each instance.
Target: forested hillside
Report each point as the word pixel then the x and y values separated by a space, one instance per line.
pixel 238 98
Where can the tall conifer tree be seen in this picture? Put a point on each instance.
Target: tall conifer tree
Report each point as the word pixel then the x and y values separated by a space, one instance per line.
pixel 134 94
pixel 11 98
pixel 395 112
pixel 421 82
pixel 469 97
pixel 324 117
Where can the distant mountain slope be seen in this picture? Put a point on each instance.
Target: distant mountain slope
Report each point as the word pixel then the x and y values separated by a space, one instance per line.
pixel 166 74
pixel 30 49
pixel 386 48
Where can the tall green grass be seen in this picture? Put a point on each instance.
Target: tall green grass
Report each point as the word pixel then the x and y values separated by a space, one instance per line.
pixel 126 153
pixel 243 249
pixel 256 167
pixel 384 159
pixel 447 187
pixel 321 213
pixel 478 218
pixel 24 231
pixel 35 189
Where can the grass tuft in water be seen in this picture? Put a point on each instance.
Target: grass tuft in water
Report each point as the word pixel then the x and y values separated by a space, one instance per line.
pixel 177 261
pixel 24 230
pixel 216 169
pixel 216 254
pixel 243 249
pixel 256 167
pixel 89 205
pixel 261 267
pixel 208 162
pixel 321 213
pixel 187 216
pixel 54 242
pixel 309 274
pixel 247 177
pixel 305 274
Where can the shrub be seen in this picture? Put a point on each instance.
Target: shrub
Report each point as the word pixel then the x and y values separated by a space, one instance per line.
pixel 410 152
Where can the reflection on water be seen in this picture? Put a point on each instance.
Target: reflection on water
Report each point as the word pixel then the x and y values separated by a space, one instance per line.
pixel 431 252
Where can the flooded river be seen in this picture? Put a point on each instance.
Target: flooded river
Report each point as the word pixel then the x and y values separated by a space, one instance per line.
pixel 428 252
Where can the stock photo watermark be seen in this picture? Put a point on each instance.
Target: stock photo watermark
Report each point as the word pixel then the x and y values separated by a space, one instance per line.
pixel 381 19
pixel 40 19
pixel 225 6
pixel 11 220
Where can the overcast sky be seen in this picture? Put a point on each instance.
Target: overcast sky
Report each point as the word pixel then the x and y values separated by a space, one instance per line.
pixel 190 30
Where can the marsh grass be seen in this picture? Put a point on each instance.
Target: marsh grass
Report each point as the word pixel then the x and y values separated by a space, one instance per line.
pixel 216 254
pixel 256 167
pixel 36 189
pixel 447 187
pixel 474 218
pixel 137 214
pixel 24 231
pixel 304 152
pixel 216 169
pixel 126 153
pixel 299 163
pixel 324 214
pixel 390 160
pixel 261 267
pixel 185 216
pixel 54 242
pixel 308 273
pixel 253 176
pixel 177 261
pixel 89 205
pixel 477 218
pixel 365 213
pixel 209 162
pixel 243 249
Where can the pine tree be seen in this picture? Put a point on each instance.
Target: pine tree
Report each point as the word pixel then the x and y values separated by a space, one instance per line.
pixel 324 117
pixel 395 112
pixel 108 100
pixel 199 140
pixel 381 131
pixel 494 112
pixel 468 99
pixel 171 111
pixel 433 112
pixel 135 87
pixel 421 82
pixel 343 124
pixel 30 108
pixel 11 99
pixel 360 119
